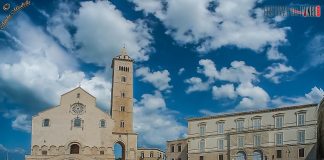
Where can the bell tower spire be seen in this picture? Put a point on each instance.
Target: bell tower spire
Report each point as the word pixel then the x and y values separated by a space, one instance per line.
pixel 122 92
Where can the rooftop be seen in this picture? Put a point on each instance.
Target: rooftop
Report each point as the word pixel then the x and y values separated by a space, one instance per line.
pixel 252 112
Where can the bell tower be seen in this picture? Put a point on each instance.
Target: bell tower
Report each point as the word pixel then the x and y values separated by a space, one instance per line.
pixel 122 92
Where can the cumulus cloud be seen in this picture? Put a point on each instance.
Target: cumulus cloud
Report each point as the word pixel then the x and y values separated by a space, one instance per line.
pixel 196 84
pixel 224 91
pixel 276 71
pixel 240 74
pixel 216 24
pixel 159 79
pixel 252 97
pixel 102 44
pixel 21 121
pixel 314 96
pixel 154 122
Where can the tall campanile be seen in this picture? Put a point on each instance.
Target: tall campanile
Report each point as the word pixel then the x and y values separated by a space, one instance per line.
pixel 122 92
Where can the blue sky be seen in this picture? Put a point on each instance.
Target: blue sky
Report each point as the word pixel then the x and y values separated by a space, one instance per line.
pixel 193 58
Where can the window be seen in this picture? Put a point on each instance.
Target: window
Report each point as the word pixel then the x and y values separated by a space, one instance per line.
pixel 202 129
pixel 221 144
pixel 201 158
pixel 239 125
pixel 102 152
pixel 301 137
pixel 220 127
pixel 77 122
pixel 46 123
pixel 151 154
pixel 123 78
pixel 202 145
pixel 257 140
pixel 279 138
pixel 179 147
pixel 279 153
pixel 102 123
pixel 78 95
pixel 279 121
pixel 301 152
pixel 123 94
pixel 44 153
pixel 256 123
pixel 240 141
pixel 301 119
pixel 220 157
pixel 142 154
pixel 122 108
pixel 172 148
pixel 122 124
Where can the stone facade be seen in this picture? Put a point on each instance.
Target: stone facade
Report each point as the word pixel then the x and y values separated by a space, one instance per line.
pixel 281 133
pixel 320 130
pixel 177 149
pixel 150 154
pixel 78 129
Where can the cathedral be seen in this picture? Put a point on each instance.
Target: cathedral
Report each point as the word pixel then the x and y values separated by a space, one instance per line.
pixel 78 129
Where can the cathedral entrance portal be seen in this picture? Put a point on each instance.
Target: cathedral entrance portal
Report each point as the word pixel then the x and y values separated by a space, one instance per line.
pixel 119 151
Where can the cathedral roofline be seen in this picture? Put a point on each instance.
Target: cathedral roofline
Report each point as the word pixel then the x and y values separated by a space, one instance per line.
pixel 252 112
pixel 76 89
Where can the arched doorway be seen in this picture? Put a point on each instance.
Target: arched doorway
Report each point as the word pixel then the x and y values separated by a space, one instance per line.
pixel 74 149
pixel 257 155
pixel 119 151
pixel 241 156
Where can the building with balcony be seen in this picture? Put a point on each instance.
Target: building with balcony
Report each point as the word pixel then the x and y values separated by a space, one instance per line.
pixel 177 150
pixel 280 133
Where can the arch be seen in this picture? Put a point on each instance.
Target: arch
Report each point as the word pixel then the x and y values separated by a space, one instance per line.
pixel 74 148
pixel 241 155
pixel 123 150
pixel 257 155
pixel 35 150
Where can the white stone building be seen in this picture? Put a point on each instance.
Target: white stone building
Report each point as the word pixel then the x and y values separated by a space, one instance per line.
pixel 280 133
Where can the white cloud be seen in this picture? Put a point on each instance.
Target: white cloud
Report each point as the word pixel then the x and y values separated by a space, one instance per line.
pixel 152 102
pixel 40 60
pixel 314 96
pixel 154 122
pixel 212 25
pixel 274 54
pixel 159 79
pixel 196 84
pixel 181 70
pixel 224 91
pixel 57 24
pixel 239 72
pixel 251 96
pixel 274 72
pixel 112 30
pixel 315 52
pixel 21 121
